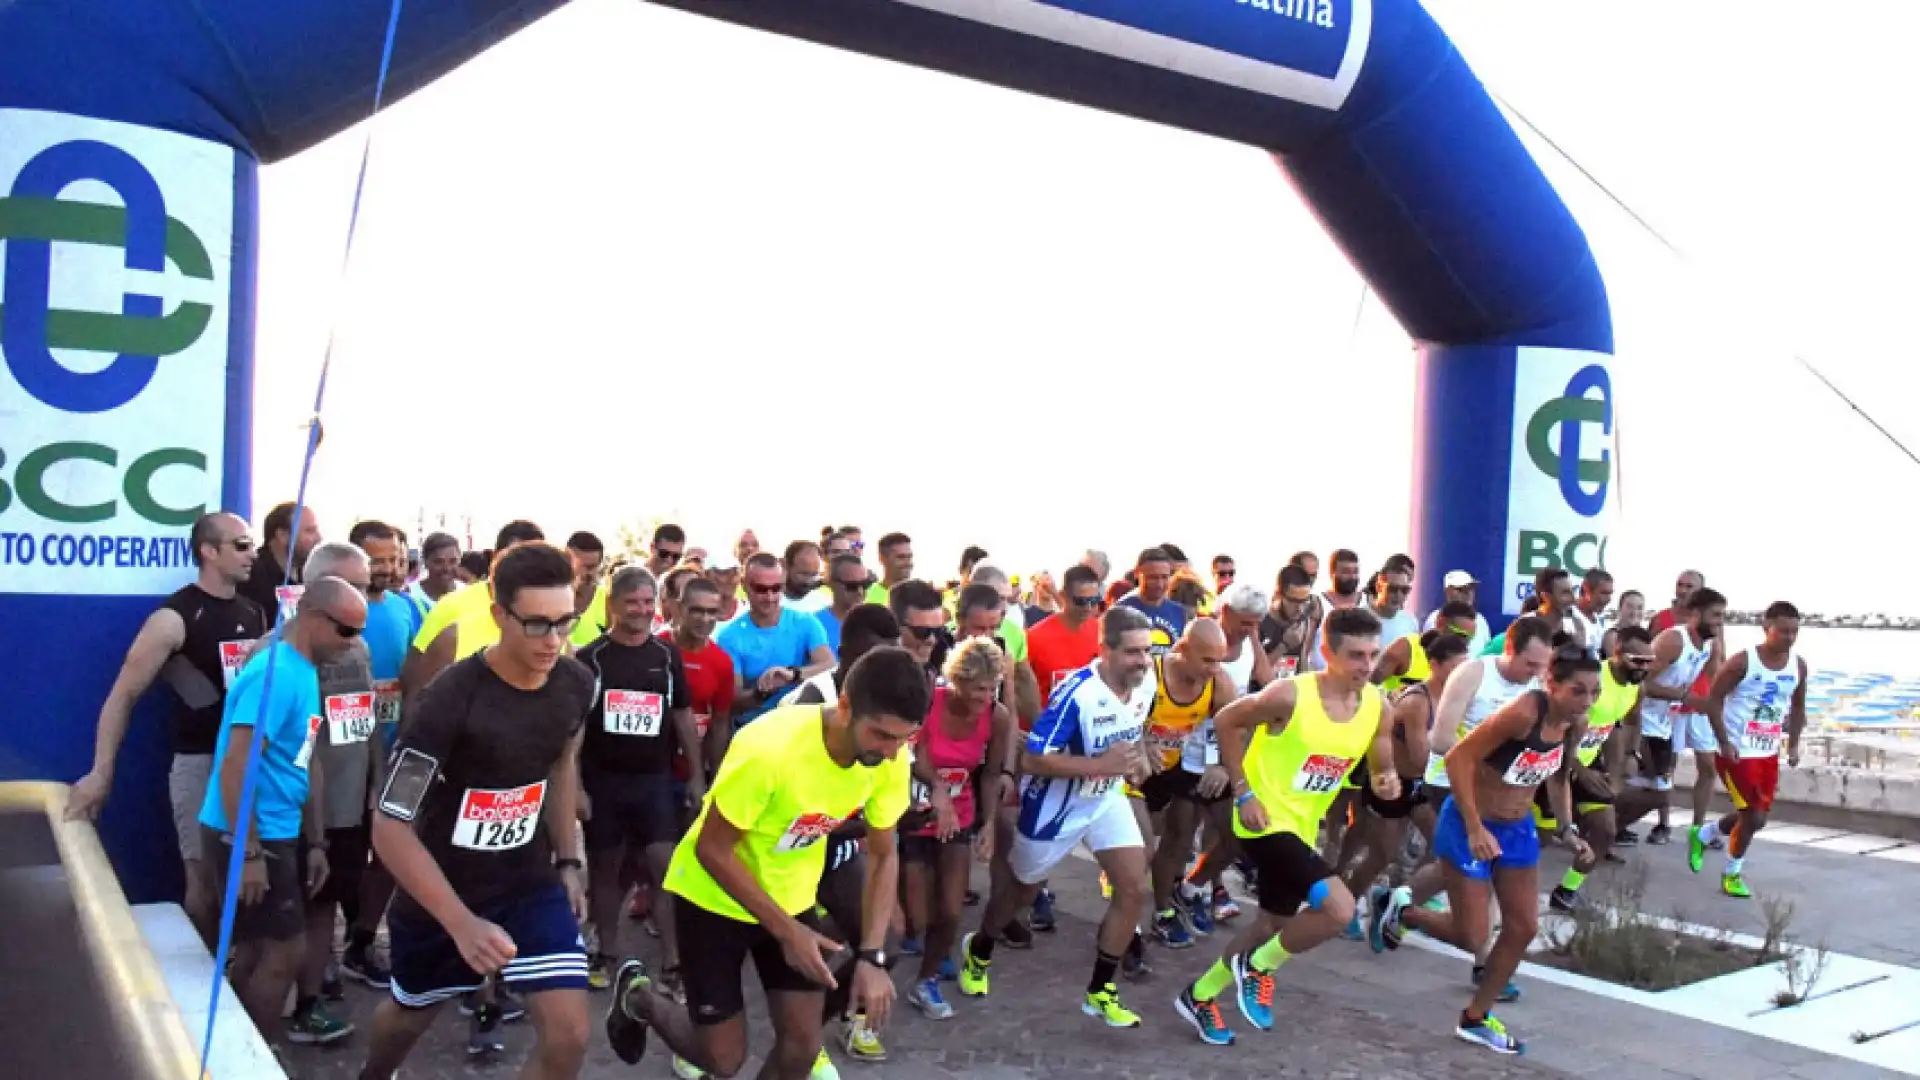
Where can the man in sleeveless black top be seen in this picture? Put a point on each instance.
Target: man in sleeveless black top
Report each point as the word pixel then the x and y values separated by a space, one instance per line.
pixel 196 642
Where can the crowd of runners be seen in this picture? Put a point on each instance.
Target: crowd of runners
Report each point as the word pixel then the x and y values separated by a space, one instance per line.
pixel 502 757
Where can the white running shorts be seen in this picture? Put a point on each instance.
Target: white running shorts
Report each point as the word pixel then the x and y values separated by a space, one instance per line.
pixel 1112 826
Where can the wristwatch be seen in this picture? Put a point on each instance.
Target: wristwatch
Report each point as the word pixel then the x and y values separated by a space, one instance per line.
pixel 876 957
pixel 568 864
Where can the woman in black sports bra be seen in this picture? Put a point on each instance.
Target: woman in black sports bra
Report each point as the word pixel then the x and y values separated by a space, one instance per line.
pixel 1485 837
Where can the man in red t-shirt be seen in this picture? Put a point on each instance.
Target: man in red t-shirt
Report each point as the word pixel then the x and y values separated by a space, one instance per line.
pixel 709 673
pixel 1068 640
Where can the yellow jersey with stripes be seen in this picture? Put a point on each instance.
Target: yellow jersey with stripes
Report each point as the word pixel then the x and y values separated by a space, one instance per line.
pixel 1170 722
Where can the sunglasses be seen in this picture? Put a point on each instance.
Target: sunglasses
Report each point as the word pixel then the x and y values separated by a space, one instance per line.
pixel 709 612
pixel 852 586
pixel 1088 602
pixel 1225 575
pixel 539 628
pixel 345 630
pixel 858 546
pixel 241 543
pixel 764 590
pixel 668 553
pixel 1399 590
pixel 922 632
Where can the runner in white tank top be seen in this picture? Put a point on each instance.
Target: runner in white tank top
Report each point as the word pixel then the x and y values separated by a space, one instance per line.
pixel 1672 719
pixel 1758 701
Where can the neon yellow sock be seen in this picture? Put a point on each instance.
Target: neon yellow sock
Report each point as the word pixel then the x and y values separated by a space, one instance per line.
pixel 1573 880
pixel 1270 956
pixel 1213 983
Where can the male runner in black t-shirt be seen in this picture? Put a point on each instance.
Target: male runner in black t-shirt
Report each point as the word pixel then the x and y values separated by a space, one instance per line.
pixel 196 642
pixel 480 794
pixel 640 720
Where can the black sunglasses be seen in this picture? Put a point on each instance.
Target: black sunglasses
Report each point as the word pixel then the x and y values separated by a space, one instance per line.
pixel 764 590
pixel 922 632
pixel 241 543
pixel 1086 601
pixel 710 612
pixel 343 629
pixel 539 628
pixel 855 586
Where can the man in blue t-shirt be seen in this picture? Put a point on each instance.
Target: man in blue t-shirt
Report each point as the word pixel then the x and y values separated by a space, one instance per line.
pixel 1154 569
pixel 276 695
pixel 393 619
pixel 774 648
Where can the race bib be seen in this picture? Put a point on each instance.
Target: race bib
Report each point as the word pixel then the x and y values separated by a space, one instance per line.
pixel 233 657
pixel 1321 773
pixel 1532 767
pixel 499 819
pixel 1201 749
pixel 633 712
pixel 1099 786
pixel 386 701
pixel 1594 739
pixel 808 830
pixel 1763 734
pixel 306 745
pixel 289 597
pixel 1166 741
pixel 1284 667
pixel 955 779
pixel 349 718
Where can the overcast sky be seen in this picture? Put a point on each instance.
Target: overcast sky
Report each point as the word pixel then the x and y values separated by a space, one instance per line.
pixel 634 263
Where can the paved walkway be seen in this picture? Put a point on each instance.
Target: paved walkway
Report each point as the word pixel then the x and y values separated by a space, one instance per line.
pixel 1344 1012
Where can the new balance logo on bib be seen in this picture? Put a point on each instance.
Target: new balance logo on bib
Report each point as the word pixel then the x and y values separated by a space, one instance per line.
pixel 499 820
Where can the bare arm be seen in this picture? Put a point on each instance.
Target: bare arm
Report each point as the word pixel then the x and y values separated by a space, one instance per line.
pixel 1797 715
pixel 233 782
pixel 1263 671
pixel 1235 724
pixel 420 668
pixel 999 745
pixel 1394 661
pixel 1451 711
pixel 1410 716
pixel 1666 651
pixel 1559 785
pixel 719 733
pixel 1026 693
pixel 717 848
pixel 819 660
pixel 563 800
pixel 686 736
pixel 162 635
pixel 882 888
pixel 1724 682
pixel 415 871
pixel 1513 721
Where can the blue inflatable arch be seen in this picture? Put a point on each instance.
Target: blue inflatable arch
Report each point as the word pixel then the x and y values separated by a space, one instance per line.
pixel 131 132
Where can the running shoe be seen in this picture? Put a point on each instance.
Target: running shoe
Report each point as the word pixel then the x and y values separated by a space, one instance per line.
pixel 973 972
pixel 599 971
pixel 1660 834
pixel 1383 917
pixel 1043 920
pixel 1198 909
pixel 1509 993
pixel 1665 783
pixel 948 972
pixel 510 1006
pixel 1133 964
pixel 316 1027
pixel 483 1032
pixel 1718 843
pixel 687 1070
pixel 358 963
pixel 863 1042
pixel 1626 838
pixel 911 946
pixel 1353 930
pixel 1224 909
pixel 1696 851
pixel 1205 1017
pixel 1015 935
pixel 1105 1004
pixel 1490 1033
pixel 1256 991
pixel 926 997
pixel 626 1033
pixel 1564 900
pixel 1735 885
pixel 1171 931
pixel 331 988
pixel 824 1068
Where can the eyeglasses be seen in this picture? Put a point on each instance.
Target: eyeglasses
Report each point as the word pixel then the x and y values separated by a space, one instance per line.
pixel 539 628
pixel 345 630
pixel 1088 602
pixel 708 612
pixel 764 590
pixel 241 543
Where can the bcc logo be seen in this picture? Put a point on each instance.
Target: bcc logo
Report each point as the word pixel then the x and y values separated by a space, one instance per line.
pixel 32 219
pixel 1583 482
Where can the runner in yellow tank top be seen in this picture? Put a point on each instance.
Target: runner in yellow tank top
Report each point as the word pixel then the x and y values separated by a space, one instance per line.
pixel 1287 751
pixel 1405 661
pixel 1600 802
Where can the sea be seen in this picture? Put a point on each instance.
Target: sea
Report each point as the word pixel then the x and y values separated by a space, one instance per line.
pixel 1847 650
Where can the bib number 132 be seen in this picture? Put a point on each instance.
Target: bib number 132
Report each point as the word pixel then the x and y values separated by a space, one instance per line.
pixel 499 820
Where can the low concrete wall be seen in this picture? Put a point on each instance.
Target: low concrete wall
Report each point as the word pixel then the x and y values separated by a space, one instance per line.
pixel 1882 801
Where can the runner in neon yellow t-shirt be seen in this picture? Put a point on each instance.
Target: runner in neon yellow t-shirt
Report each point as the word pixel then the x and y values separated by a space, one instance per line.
pixel 749 870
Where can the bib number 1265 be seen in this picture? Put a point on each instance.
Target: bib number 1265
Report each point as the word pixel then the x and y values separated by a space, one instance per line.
pixel 500 819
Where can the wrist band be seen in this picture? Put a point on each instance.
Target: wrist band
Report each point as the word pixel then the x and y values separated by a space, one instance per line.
pixel 569 864
pixel 1243 798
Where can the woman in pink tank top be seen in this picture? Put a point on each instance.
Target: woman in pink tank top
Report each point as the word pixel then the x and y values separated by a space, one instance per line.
pixel 965 729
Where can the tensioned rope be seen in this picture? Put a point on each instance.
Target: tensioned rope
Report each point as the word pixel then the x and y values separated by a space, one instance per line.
pixel 243 818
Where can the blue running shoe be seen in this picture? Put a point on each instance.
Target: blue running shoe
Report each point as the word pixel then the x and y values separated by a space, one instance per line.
pixel 1490 1033
pixel 1354 931
pixel 948 972
pixel 1042 921
pixel 1509 993
pixel 1256 991
pixel 1171 931
pixel 1199 909
pixel 910 946
pixel 1205 1018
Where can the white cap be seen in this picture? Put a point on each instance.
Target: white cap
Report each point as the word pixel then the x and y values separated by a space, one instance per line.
pixel 1457 579
pixel 723 561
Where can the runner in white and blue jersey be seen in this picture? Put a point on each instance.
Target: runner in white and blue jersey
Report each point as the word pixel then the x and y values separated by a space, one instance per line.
pixel 1083 748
